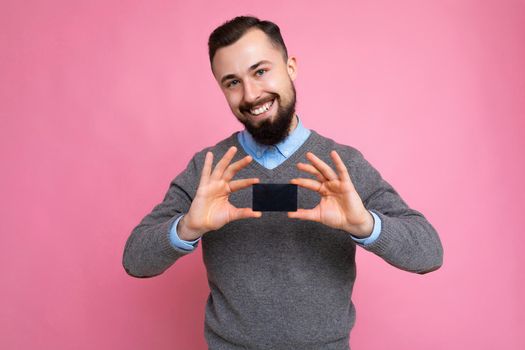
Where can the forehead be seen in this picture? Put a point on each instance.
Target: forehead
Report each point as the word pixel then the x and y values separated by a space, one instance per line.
pixel 254 46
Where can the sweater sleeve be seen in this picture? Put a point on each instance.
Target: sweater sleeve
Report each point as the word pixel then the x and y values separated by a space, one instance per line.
pixel 177 241
pixel 149 251
pixel 407 240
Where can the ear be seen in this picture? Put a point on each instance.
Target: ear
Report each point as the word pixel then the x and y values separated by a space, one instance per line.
pixel 291 66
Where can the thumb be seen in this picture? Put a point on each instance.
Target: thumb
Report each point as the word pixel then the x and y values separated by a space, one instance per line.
pixel 243 213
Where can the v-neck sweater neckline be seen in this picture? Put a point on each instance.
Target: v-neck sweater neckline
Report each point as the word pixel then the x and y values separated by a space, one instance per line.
pixel 292 159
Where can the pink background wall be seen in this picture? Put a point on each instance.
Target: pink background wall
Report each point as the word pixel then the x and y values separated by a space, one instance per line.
pixel 103 102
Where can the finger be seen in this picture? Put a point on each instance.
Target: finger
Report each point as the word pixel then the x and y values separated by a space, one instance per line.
pixel 306 214
pixel 244 213
pixel 340 166
pixel 310 184
pixel 240 184
pixel 310 169
pixel 321 166
pixel 206 169
pixel 223 163
pixel 235 167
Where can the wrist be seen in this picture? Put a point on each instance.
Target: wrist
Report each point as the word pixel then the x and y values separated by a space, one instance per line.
pixel 365 229
pixel 186 232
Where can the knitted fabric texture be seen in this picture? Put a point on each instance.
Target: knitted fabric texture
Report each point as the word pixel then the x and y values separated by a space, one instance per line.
pixel 275 282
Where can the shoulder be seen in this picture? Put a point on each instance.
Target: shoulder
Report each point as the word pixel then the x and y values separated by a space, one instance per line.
pixel 218 150
pixel 365 177
pixel 189 177
pixel 324 145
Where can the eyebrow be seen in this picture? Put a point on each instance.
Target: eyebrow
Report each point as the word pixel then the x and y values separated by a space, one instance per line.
pixel 252 67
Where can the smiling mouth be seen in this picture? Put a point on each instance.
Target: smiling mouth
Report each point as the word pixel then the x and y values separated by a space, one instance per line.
pixel 262 109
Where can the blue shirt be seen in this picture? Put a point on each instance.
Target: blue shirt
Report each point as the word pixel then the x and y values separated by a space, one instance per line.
pixel 270 157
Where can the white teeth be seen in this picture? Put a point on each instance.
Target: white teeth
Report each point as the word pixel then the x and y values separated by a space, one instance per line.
pixel 262 109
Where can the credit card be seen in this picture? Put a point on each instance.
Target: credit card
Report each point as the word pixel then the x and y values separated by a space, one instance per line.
pixel 274 197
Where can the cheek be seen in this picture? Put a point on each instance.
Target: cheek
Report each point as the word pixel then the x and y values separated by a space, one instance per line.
pixel 232 99
pixel 279 85
pixel 273 83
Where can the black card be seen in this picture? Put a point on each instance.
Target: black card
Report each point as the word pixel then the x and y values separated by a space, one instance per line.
pixel 274 197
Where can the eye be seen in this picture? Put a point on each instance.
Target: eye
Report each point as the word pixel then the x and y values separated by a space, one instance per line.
pixel 260 72
pixel 232 83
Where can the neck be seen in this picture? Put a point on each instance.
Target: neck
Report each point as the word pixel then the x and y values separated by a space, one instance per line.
pixel 293 124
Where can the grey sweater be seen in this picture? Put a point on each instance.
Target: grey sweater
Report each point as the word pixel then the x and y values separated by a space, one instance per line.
pixel 275 282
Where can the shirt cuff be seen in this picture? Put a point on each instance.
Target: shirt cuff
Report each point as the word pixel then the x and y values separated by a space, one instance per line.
pixel 175 239
pixel 375 232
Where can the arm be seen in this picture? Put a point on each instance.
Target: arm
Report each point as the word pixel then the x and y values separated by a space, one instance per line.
pixel 149 251
pixel 407 240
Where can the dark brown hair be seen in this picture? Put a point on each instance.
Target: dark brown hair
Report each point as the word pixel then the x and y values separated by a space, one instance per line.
pixel 232 30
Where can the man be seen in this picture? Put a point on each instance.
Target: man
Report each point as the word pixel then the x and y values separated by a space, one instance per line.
pixel 278 280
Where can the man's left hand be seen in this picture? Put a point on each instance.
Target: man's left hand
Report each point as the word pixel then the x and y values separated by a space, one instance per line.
pixel 340 206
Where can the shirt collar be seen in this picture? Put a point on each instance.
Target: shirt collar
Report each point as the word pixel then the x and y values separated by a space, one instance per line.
pixel 286 147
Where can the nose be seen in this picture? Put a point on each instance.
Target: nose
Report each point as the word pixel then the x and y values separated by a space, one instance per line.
pixel 252 92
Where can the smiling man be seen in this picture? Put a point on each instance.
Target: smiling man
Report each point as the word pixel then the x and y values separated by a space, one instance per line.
pixel 278 280
pixel 256 78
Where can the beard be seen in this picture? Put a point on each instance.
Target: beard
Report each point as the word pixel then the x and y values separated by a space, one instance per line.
pixel 271 132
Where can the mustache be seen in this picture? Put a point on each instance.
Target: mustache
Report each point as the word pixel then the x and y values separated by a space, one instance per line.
pixel 247 106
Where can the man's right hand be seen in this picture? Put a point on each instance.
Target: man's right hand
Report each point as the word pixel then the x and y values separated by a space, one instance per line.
pixel 210 209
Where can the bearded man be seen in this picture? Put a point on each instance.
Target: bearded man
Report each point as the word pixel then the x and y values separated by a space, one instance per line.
pixel 278 280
